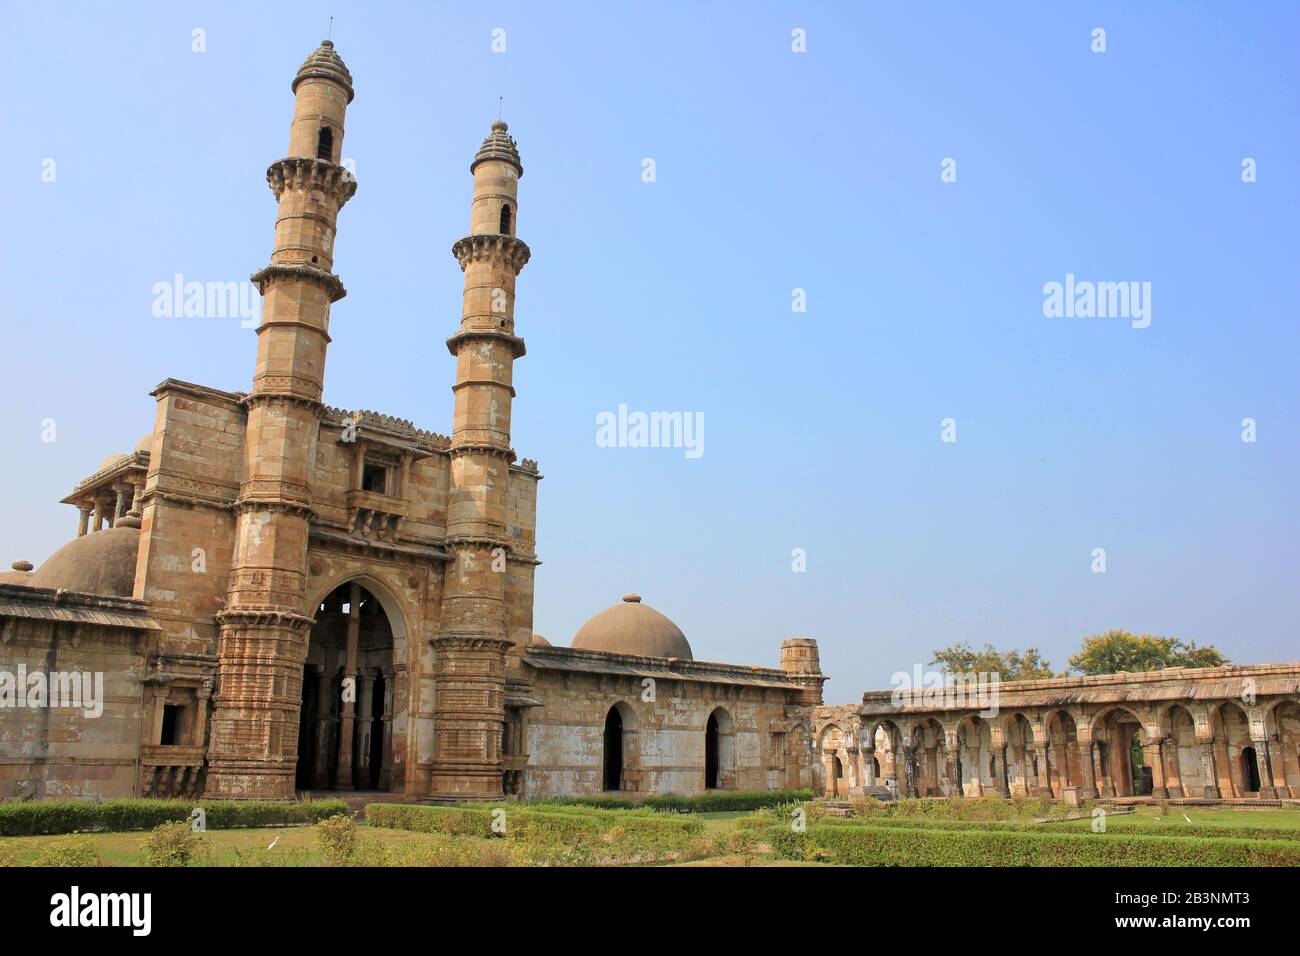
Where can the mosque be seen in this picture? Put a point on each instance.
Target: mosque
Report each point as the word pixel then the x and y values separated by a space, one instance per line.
pixel 282 596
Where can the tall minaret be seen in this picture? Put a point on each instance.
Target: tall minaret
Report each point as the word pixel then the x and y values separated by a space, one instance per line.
pixel 264 625
pixel 471 648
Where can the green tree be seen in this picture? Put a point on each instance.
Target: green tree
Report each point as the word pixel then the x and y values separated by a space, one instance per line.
pixel 961 658
pixel 1117 651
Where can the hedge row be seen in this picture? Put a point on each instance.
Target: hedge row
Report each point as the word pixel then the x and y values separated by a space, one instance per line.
pixel 70 816
pixel 1124 823
pixel 914 846
pixel 565 836
pixel 717 802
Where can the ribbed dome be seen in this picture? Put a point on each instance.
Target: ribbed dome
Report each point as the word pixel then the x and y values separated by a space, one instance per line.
pixel 499 145
pixel 633 628
pixel 327 64
pixel 102 562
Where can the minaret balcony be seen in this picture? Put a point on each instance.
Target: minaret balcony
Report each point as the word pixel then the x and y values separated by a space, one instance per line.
pixel 302 172
pixel 491 246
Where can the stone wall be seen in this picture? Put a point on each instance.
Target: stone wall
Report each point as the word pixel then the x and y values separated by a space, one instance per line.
pixel 1228 732
pixel 763 735
pixel 70 752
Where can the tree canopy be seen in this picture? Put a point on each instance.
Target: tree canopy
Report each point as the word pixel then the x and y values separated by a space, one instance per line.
pixel 1008 665
pixel 1117 651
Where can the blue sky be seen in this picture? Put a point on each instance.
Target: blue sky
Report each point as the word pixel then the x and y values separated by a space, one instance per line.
pixel 775 170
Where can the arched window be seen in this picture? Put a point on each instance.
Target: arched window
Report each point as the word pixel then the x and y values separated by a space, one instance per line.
pixel 505 219
pixel 613 759
pixel 325 143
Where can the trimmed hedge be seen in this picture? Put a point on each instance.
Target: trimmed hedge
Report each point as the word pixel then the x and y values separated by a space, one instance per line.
pixel 36 817
pixel 720 801
pixel 1125 823
pixel 916 846
pixel 565 836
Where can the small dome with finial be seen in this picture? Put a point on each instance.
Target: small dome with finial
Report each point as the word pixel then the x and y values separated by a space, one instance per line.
pixel 499 145
pixel 326 64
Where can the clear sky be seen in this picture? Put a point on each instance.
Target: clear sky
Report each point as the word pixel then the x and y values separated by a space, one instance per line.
pixel 774 171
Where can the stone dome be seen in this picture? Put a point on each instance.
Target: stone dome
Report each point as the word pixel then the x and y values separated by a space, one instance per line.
pixel 110 461
pixel 326 63
pixel 633 628
pixel 102 562
pixel 539 641
pixel 499 145
pixel 145 443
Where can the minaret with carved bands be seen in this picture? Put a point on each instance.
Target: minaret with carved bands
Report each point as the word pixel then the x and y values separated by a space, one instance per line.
pixel 471 647
pixel 264 625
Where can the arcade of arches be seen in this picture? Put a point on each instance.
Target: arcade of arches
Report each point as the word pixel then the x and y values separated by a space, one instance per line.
pixel 1223 733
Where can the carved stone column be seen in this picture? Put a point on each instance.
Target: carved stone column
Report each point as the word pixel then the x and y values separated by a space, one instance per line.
pixel 1153 757
pixel 347 716
pixel 365 721
pixel 324 726
pixel 1208 772
pixel 1264 759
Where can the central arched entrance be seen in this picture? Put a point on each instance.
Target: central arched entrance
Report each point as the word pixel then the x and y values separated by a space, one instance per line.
pixel 345 731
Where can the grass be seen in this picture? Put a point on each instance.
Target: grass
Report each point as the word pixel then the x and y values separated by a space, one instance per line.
pixel 296 846
pixel 299 845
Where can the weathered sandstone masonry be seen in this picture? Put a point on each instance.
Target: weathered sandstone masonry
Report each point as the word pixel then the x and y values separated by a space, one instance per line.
pixel 1216 733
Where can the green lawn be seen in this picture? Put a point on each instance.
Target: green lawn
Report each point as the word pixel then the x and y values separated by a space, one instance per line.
pixel 294 846
pixel 299 845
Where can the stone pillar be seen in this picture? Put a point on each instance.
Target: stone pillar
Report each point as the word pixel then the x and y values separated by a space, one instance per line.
pixel 951 767
pixel 97 522
pixel 1173 772
pixel 120 505
pixel 977 777
pixel 868 769
pixel 84 524
pixel 1264 758
pixel 365 722
pixel 1208 773
pixel 324 724
pixel 828 774
pixel 1044 771
pixel 386 768
pixel 1153 757
pixel 347 716
pixel 1000 777
pixel 1088 784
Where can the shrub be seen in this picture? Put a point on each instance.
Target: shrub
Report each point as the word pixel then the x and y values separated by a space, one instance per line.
pixel 35 817
pixel 548 837
pixel 171 844
pixel 337 838
pixel 915 846
pixel 71 852
pixel 715 802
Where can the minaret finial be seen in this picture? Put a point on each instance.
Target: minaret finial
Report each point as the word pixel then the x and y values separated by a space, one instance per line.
pixel 500 103
pixel 330 37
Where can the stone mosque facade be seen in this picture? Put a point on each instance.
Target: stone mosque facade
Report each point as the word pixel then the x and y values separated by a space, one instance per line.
pixel 281 597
